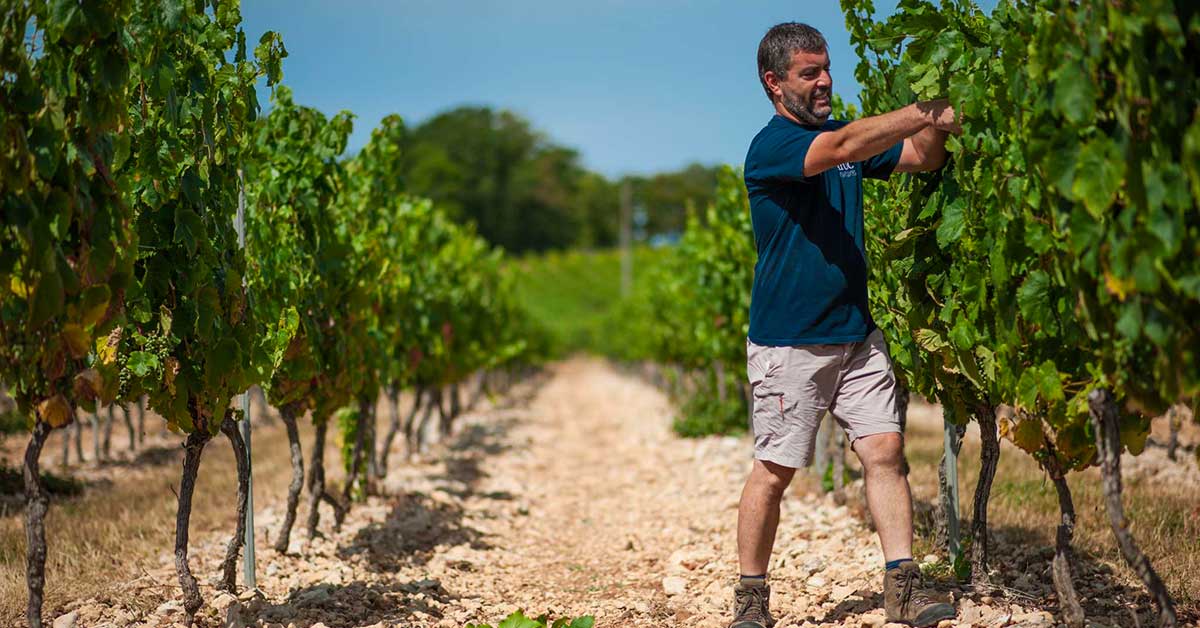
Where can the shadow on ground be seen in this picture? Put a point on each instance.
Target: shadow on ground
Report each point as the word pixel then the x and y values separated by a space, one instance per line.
pixel 355 604
pixel 863 602
pixel 59 487
pixel 420 523
pixel 520 396
pixel 408 536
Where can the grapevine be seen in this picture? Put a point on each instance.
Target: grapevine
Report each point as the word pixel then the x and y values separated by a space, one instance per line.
pixel 1046 266
pixel 66 243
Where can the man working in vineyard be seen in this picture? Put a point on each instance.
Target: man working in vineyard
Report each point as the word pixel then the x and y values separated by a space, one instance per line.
pixel 813 346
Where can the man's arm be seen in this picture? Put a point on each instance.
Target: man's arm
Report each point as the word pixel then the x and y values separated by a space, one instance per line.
pixel 924 151
pixel 865 138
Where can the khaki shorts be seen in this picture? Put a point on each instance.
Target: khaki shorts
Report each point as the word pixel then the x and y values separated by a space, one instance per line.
pixel 793 387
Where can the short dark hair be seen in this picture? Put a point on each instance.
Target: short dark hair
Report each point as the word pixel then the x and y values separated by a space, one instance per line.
pixel 780 43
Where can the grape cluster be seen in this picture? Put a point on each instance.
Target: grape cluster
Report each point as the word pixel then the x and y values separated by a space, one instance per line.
pixel 123 375
pixel 159 345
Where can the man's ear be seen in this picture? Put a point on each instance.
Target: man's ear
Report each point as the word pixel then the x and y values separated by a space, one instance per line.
pixel 772 82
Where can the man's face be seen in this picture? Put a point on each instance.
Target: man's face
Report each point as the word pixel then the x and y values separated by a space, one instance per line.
pixel 807 90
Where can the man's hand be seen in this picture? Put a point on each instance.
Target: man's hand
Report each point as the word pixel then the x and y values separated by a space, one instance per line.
pixel 926 149
pixel 940 115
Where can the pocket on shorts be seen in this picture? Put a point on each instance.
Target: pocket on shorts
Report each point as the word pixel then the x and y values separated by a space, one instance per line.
pixel 759 365
pixel 768 409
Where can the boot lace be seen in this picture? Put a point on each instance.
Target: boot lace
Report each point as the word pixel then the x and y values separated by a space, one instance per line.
pixel 751 605
pixel 913 598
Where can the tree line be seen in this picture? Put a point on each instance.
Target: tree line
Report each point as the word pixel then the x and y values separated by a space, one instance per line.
pixel 526 193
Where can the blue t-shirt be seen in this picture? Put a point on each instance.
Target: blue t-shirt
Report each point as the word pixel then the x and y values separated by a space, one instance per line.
pixel 810 282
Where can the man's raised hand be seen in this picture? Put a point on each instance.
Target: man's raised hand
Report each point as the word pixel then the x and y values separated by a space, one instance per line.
pixel 941 115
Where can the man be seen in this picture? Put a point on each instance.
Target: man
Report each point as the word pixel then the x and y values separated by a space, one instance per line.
pixel 813 346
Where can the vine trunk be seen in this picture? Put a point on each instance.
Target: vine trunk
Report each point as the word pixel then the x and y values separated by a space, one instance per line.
pixel 989 458
pixel 288 415
pixel 193 448
pixel 36 504
pixel 229 428
pixel 1105 424
pixel 1064 567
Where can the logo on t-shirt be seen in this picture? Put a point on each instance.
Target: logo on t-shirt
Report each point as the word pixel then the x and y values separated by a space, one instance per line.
pixel 846 170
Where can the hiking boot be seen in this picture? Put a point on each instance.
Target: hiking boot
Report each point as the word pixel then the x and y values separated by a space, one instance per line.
pixel 751 606
pixel 908 602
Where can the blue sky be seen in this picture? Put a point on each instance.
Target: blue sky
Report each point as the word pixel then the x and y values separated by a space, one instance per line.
pixel 635 86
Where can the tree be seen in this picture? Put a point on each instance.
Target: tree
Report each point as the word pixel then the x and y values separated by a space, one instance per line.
pixel 666 197
pixel 492 169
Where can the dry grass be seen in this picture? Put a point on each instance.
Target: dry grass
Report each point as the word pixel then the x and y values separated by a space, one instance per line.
pixel 1164 510
pixel 124 522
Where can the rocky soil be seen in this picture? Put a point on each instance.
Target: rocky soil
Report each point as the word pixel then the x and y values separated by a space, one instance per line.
pixel 573 497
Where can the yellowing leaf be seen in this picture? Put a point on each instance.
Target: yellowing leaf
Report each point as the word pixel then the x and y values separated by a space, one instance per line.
pixel 1025 433
pixel 170 370
pixel 1118 287
pixel 87 384
pixel 55 411
pixel 930 340
pixel 1134 432
pixel 19 288
pixel 106 348
pixel 76 339
pixel 95 303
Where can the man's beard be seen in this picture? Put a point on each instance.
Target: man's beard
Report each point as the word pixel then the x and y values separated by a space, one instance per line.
pixel 804 112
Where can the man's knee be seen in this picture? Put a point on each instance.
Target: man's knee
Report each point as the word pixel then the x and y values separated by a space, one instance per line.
pixel 771 477
pixel 882 453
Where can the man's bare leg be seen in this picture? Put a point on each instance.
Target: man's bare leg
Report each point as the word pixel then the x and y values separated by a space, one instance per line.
pixel 906 599
pixel 758 515
pixel 888 496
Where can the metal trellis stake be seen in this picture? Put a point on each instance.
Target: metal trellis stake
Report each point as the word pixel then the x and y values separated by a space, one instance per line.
pixel 248 579
pixel 951 470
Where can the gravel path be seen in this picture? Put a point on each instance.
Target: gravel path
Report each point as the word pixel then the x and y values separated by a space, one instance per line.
pixel 571 497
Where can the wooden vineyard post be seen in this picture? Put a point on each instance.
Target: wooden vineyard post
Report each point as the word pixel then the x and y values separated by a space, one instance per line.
pixel 248 579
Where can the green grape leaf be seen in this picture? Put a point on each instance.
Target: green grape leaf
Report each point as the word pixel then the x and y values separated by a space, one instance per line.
pixel 953 223
pixel 1074 93
pixel 1129 323
pixel 1099 175
pixel 48 299
pixel 1049 382
pixel 142 363
pixel 930 340
pixel 1033 298
pixel 518 620
pixel 1027 389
